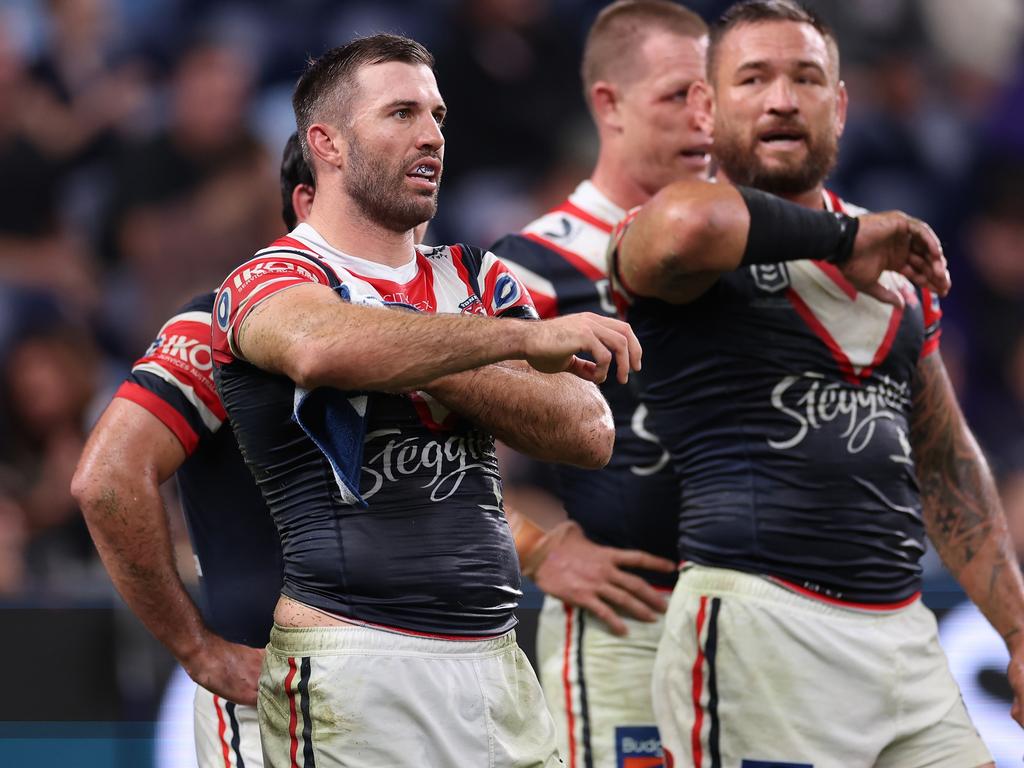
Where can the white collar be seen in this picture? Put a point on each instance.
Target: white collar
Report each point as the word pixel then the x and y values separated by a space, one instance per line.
pixel 306 234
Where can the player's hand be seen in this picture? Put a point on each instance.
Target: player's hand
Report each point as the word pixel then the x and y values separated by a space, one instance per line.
pixel 899 243
pixel 229 670
pixel 1015 674
pixel 590 576
pixel 554 346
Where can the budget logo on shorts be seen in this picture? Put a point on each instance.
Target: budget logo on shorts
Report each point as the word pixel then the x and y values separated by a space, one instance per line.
pixel 771 278
pixel 506 292
pixel 638 746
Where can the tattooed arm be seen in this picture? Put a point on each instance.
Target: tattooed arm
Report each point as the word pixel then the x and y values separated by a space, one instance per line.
pixel 963 514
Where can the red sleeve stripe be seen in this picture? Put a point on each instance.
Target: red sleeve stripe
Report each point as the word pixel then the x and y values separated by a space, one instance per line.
pixel 581 264
pixel 211 420
pixel 306 259
pixel 185 379
pixel 167 415
pixel 579 213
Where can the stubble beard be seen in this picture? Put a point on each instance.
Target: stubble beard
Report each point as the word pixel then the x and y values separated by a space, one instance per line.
pixel 739 160
pixel 377 188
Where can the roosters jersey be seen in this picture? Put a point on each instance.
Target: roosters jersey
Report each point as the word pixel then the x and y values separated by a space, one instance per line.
pixel 630 503
pixel 783 396
pixel 233 536
pixel 388 505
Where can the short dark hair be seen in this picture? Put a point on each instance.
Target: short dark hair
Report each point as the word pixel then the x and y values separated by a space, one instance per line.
pixel 759 11
pixel 620 28
pixel 326 85
pixel 294 171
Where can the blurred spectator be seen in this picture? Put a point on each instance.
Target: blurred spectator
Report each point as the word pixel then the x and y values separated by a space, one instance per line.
pixel 50 378
pixel 995 301
pixel 36 249
pixel 193 200
pixel 508 71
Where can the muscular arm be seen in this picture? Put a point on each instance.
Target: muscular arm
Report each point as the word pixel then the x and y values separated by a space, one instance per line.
pixel 316 339
pixel 963 514
pixel 683 239
pixel 117 484
pixel 548 417
pixel 692 232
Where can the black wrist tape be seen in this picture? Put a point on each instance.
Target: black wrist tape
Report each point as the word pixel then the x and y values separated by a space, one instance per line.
pixel 784 231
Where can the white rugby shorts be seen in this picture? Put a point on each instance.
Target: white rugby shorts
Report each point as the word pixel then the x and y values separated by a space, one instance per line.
pixel 753 674
pixel 361 697
pixel 598 687
pixel 227 734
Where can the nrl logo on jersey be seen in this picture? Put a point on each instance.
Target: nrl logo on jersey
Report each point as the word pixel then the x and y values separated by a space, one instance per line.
pixel 770 278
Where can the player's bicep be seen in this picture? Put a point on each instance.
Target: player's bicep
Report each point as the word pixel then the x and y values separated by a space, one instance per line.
pixel 281 332
pixel 937 428
pixel 130 442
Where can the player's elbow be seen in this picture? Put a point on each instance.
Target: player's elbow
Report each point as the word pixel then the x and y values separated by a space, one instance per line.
pixel 312 365
pixel 87 487
pixel 594 446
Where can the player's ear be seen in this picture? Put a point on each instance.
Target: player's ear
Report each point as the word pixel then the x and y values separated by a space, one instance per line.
pixel 842 101
pixel 326 144
pixel 302 201
pixel 606 102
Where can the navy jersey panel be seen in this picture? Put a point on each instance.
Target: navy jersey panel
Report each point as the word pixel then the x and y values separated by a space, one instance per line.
pixel 784 399
pixel 429 551
pixel 631 502
pixel 232 534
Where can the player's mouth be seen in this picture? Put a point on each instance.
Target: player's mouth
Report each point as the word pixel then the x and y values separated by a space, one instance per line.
pixel 698 155
pixel 782 139
pixel 425 173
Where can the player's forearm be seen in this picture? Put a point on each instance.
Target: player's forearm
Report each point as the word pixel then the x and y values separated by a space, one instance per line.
pixel 128 525
pixel 327 342
pixel 551 417
pixel 962 511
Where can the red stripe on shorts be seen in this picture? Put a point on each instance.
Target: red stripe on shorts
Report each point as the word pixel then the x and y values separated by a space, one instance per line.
pixel 566 666
pixel 221 728
pixel 292 717
pixel 698 686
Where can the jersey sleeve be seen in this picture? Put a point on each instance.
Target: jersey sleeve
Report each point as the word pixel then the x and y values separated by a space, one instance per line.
pixel 268 273
pixel 622 296
pixel 504 294
pixel 173 380
pixel 932 311
pixel 529 262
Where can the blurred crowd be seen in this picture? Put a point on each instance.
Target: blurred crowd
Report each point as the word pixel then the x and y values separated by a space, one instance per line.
pixel 140 140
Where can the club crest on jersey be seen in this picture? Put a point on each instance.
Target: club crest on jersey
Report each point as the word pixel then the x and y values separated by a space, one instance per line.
pixel 472 306
pixel 224 309
pixel 770 278
pixel 638 747
pixel 506 292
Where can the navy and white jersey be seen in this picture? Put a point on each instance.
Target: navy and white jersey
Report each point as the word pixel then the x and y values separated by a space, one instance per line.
pixel 783 396
pixel 630 503
pixel 237 552
pixel 389 506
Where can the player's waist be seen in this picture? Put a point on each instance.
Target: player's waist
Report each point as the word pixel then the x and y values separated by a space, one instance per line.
pixel 713 579
pixel 302 627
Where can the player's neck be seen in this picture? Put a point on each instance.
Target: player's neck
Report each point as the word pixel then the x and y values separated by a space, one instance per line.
pixel 612 181
pixel 347 229
pixel 812 198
